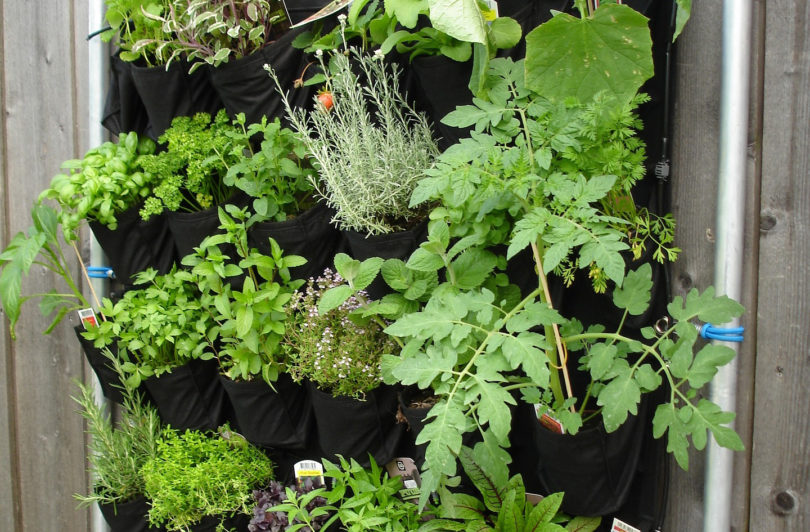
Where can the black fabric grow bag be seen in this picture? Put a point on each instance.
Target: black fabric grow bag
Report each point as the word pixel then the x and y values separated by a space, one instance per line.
pixel 298 10
pixel 397 245
pixel 244 86
pixel 123 109
pixel 101 365
pixel 594 468
pixel 310 235
pixel 136 244
pixel 278 419
pixel 167 94
pixel 130 516
pixel 189 229
pixel 355 429
pixel 190 397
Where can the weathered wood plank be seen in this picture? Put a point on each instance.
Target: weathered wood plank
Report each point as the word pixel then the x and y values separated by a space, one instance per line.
pixel 8 453
pixel 780 477
pixel 694 188
pixel 40 74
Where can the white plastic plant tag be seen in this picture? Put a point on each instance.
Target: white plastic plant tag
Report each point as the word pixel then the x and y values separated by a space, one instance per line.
pixel 406 469
pixel 621 526
pixel 309 469
pixel 88 318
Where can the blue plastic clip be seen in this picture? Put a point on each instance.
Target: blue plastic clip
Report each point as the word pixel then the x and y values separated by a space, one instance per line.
pixel 731 334
pixel 100 272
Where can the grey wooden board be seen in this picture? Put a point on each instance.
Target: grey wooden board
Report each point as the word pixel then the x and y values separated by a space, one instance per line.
pixel 780 470
pixel 696 123
pixel 42 120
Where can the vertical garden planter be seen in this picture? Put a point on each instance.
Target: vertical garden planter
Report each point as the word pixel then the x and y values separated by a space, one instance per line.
pixel 279 419
pixel 310 235
pixel 594 468
pixel 107 376
pixel 355 429
pixel 136 244
pixel 172 92
pixel 190 397
pixel 130 516
pixel 244 86
pixel 123 109
pixel 188 229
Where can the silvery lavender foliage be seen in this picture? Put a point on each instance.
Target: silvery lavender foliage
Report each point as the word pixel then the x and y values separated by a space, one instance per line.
pixel 265 520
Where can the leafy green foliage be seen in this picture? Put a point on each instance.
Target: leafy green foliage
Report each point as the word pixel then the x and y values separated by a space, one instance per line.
pixel 199 151
pixel 581 57
pixel 155 327
pixel 367 499
pixel 370 148
pixel 682 16
pixel 246 294
pixel 117 452
pixel 213 31
pixel 278 176
pixel 196 474
pixel 502 507
pixel 298 507
pixel 39 248
pixel 107 181
pixel 132 24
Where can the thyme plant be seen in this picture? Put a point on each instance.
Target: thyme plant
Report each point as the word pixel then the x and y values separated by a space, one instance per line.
pixel 371 147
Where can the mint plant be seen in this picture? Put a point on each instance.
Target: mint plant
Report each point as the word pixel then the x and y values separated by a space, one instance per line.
pixel 245 295
pixel 279 175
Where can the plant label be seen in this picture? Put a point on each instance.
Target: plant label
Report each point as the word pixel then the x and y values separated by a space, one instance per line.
pixel 88 318
pixel 308 468
pixel 621 526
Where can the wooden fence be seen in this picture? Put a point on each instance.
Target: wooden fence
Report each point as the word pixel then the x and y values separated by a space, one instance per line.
pixel 44 120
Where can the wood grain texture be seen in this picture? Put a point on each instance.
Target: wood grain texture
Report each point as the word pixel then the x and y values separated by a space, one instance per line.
pixel 780 471
pixel 41 125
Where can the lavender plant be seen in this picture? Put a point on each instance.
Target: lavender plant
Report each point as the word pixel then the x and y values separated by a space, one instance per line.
pixel 338 352
pixel 371 147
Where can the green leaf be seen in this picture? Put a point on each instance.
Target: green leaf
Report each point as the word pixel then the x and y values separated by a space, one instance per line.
pixel 580 57
pixel 493 407
pixel 682 16
pixel 460 19
pixel 333 298
pixel 583 524
pixel 504 32
pixel 368 270
pixel 705 306
pixel 544 511
pixel 634 294
pixel 600 359
pixel 406 11
pixel 423 368
pixel 472 267
pixel 706 363
pixel 485 480
pixel 532 315
pixel 422 260
pixel 346 266
pixel 527 351
pixel 618 398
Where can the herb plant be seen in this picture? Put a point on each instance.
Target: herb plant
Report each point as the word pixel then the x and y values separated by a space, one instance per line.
pixel 196 474
pixel 212 32
pixel 133 22
pixel 157 326
pixel 367 499
pixel 118 452
pixel 191 170
pixel 337 354
pixel 370 148
pixel 107 181
pixel 280 508
pixel 502 506
pixel 279 175
pixel 245 297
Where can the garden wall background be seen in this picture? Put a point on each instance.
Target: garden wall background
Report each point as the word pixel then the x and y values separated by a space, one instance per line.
pixel 46 119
